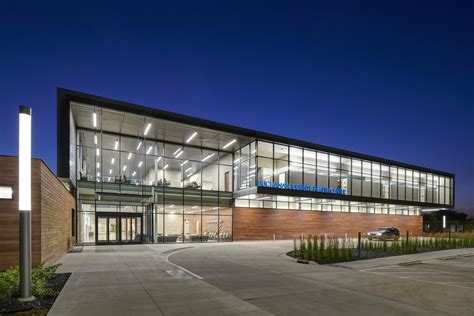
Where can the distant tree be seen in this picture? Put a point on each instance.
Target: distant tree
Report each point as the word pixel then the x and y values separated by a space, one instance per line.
pixel 450 215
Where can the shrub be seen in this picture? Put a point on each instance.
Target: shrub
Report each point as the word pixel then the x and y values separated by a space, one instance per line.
pixel 10 281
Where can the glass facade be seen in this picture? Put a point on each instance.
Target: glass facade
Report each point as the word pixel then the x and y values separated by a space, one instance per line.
pixel 281 163
pixel 322 205
pixel 154 190
pixel 143 179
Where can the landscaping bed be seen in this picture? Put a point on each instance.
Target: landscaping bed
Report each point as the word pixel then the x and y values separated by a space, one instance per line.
pixel 325 250
pixel 47 284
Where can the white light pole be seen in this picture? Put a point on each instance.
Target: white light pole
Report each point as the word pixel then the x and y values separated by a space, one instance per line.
pixel 24 203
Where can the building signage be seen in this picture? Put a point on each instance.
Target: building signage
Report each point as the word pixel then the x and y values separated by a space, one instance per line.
pixel 299 187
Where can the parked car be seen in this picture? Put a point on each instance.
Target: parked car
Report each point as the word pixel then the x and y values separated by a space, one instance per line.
pixel 384 233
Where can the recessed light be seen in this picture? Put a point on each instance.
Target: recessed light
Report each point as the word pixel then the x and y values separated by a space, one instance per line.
pixel 179 154
pixel 110 171
pixel 190 168
pixel 158 159
pixel 113 160
pixel 177 151
pixel 139 145
pixel 140 164
pixel 94 119
pixel 229 143
pixel 116 145
pixel 191 137
pixel 129 156
pixel 98 165
pixel 149 149
pixel 95 139
pixel 185 162
pixel 164 168
pixel 97 152
pixel 147 129
pixel 208 156
pixel 134 173
pixel 124 168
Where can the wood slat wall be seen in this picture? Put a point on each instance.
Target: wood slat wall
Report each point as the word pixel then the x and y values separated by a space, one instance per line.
pixel 9 214
pixel 261 224
pixel 56 217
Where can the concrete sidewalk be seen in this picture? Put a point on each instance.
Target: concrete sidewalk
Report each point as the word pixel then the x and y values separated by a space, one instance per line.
pixel 257 278
pixel 138 280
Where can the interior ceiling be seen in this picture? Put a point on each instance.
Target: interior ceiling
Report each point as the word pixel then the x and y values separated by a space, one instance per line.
pixel 134 125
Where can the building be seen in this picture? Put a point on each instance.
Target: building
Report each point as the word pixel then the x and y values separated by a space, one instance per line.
pixel 52 214
pixel 142 175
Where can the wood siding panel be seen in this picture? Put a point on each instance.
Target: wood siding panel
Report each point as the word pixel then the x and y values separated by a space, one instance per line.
pixel 10 216
pixel 56 217
pixel 45 215
pixel 261 224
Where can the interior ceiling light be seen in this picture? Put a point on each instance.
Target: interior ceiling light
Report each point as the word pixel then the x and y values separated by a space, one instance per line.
pixel 172 205
pixel 164 168
pixel 139 145
pixel 134 173
pixel 129 156
pixel 113 160
pixel 185 162
pixel 149 149
pixel 191 137
pixel 147 129
pixel 98 165
pixel 229 143
pixel 158 159
pixel 94 119
pixel 179 154
pixel 97 152
pixel 124 167
pixel 208 156
pixel 190 168
pixel 110 171
pixel 140 164
pixel 177 151
pixel 95 139
pixel 116 145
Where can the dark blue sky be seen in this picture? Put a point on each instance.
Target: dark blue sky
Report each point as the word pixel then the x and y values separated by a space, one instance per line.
pixel 391 79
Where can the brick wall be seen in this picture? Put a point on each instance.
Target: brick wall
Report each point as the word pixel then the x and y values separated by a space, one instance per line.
pixel 261 224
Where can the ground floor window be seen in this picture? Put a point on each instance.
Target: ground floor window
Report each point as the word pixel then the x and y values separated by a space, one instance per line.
pixel 171 217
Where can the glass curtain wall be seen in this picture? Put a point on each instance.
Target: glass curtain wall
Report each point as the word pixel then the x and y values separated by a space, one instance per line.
pixel 322 205
pixel 288 164
pixel 186 190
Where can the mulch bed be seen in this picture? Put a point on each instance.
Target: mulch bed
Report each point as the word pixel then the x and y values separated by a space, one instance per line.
pixel 40 306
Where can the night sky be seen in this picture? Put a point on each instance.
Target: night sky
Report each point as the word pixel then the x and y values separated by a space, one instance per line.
pixel 393 79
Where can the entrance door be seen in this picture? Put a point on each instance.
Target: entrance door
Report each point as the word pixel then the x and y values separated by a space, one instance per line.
pixel 107 229
pixel 119 228
pixel 131 230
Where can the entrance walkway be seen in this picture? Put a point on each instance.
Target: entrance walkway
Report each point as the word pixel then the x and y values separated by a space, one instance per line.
pixel 138 280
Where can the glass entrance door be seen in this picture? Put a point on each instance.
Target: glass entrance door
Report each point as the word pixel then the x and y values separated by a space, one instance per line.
pixel 119 228
pixel 107 228
pixel 130 227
